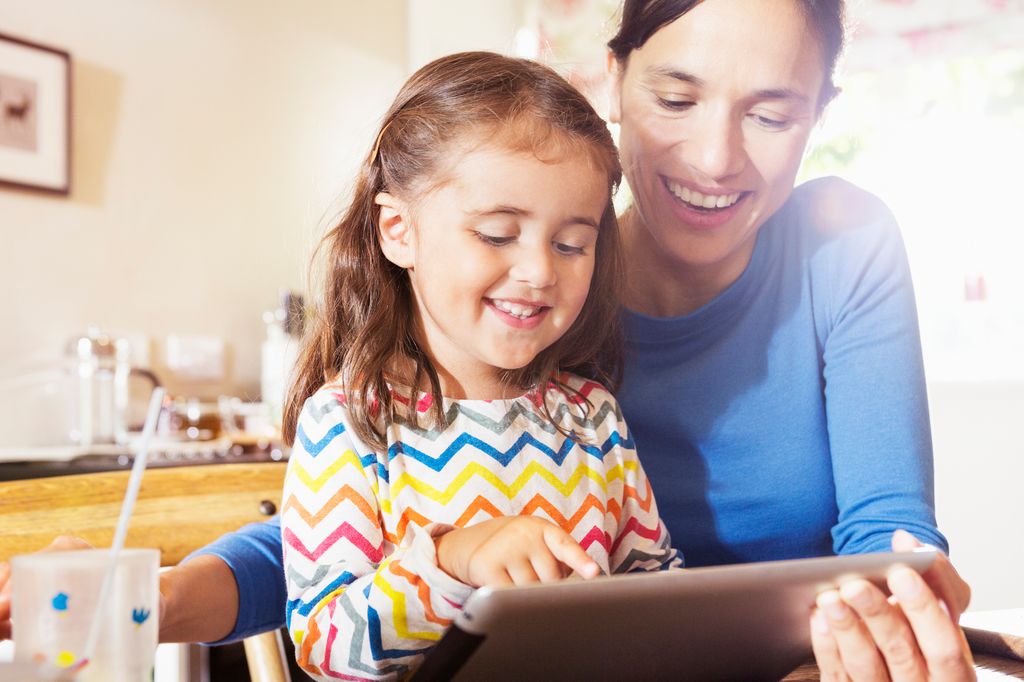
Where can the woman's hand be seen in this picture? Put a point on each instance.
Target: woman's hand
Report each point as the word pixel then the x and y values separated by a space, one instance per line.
pixel 512 550
pixel 859 634
pixel 61 543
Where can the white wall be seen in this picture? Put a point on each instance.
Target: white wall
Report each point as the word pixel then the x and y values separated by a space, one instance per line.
pixel 210 138
pixel 978 431
pixel 440 27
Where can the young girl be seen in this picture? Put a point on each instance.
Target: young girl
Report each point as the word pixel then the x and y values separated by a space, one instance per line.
pixel 443 436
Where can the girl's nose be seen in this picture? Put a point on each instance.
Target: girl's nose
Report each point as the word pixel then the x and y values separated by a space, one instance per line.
pixel 535 266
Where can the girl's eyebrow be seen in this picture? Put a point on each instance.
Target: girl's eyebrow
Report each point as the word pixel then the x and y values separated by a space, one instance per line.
pixel 664 71
pixel 516 211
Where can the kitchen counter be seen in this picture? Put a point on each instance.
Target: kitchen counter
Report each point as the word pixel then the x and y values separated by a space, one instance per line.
pixel 60 460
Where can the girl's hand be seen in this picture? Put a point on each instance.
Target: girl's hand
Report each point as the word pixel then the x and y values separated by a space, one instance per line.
pixel 858 634
pixel 512 550
pixel 61 543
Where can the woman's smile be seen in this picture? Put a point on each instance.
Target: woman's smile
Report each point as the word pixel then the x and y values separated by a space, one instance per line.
pixel 703 210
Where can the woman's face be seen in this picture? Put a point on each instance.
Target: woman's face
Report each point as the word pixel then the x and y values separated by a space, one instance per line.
pixel 715 111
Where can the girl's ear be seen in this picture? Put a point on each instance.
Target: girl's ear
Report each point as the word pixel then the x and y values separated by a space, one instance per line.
pixel 615 91
pixel 394 230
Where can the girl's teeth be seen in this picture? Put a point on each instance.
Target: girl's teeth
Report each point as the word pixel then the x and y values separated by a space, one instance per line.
pixel 520 311
pixel 695 198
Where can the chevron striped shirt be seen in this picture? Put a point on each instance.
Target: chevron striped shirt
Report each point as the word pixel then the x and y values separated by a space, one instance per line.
pixel 366 598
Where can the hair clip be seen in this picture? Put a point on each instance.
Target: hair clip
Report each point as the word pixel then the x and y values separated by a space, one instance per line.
pixel 376 144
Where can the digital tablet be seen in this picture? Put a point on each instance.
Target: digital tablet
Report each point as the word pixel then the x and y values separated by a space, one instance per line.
pixel 742 622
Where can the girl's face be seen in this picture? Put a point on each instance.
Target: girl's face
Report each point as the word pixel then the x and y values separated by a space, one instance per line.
pixel 500 259
pixel 715 112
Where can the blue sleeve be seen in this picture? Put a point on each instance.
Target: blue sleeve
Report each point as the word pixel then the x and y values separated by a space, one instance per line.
pixel 253 553
pixel 875 396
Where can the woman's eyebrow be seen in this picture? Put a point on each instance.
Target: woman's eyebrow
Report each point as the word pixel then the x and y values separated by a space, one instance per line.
pixel 663 71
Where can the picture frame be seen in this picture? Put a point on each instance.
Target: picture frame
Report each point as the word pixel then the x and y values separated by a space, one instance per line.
pixel 35 116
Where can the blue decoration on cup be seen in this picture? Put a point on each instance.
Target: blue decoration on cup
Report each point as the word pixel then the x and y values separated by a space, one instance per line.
pixel 140 616
pixel 60 602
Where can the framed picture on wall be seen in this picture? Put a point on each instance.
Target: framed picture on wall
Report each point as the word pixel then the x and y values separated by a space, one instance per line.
pixel 35 116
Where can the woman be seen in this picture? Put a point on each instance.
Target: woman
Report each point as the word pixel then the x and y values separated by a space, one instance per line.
pixel 774 381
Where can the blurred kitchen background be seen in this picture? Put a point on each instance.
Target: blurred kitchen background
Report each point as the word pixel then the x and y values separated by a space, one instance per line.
pixel 214 140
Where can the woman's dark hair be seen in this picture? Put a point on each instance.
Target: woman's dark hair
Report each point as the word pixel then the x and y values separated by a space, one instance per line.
pixel 641 19
pixel 363 321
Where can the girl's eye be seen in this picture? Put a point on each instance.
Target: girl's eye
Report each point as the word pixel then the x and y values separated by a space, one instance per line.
pixel 675 104
pixel 569 249
pixel 769 122
pixel 493 240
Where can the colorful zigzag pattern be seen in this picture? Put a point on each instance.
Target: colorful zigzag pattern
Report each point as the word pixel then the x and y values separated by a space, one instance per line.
pixel 366 597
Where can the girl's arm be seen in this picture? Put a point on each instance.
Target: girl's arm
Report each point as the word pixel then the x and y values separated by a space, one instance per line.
pixel 358 606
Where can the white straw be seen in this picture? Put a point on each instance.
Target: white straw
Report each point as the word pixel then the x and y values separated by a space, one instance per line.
pixel 134 481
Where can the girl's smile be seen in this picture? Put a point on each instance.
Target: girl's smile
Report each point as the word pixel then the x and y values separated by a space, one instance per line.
pixel 521 315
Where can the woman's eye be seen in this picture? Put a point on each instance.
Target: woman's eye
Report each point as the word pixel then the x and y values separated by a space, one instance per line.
pixel 569 249
pixel 493 240
pixel 675 104
pixel 769 122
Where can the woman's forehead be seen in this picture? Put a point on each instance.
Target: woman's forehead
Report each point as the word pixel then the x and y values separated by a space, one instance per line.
pixel 761 44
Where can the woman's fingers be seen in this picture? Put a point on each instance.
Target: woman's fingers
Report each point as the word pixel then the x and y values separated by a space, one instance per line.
pixel 940 640
pixel 861 658
pixel 890 631
pixel 826 650
pixel 565 549
pixel 941 576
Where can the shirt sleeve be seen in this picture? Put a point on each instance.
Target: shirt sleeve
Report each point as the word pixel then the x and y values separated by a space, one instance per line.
pixel 358 606
pixel 875 395
pixel 642 542
pixel 253 553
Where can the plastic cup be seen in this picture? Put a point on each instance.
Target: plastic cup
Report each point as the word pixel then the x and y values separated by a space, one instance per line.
pixel 55 595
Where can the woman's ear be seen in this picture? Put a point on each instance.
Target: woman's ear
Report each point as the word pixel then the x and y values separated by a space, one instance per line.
pixel 394 230
pixel 615 91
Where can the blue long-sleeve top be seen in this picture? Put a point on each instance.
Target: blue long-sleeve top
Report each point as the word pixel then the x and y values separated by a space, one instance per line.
pixel 785 418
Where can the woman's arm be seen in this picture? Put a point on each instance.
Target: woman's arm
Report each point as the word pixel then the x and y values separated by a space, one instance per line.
pixel 251 593
pixel 875 396
pixel 198 601
pixel 880 441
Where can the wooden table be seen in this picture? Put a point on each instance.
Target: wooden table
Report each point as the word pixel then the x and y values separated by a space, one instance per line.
pixel 988 668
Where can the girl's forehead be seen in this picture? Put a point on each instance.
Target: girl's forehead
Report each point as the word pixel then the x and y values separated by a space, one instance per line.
pixel 533 138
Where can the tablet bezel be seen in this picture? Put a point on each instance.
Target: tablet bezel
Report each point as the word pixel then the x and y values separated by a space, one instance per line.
pixel 721 622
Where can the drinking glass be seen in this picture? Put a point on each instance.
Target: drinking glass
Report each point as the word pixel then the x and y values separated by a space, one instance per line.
pixel 55 596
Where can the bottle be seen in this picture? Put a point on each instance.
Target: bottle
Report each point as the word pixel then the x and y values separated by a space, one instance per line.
pixel 279 352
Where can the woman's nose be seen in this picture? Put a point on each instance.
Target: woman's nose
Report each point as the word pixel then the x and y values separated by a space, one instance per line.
pixel 535 266
pixel 716 148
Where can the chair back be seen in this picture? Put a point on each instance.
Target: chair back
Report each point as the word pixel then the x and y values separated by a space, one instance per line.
pixel 178 510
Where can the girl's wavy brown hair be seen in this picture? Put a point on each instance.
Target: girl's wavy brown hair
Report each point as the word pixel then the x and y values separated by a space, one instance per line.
pixel 363 320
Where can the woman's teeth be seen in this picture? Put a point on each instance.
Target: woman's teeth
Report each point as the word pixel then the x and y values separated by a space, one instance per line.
pixel 516 310
pixel 699 200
